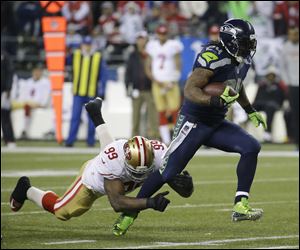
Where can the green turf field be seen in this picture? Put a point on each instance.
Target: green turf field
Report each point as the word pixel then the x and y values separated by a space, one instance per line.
pixel 202 221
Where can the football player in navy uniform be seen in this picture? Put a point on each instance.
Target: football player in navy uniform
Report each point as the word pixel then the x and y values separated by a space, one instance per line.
pixel 201 120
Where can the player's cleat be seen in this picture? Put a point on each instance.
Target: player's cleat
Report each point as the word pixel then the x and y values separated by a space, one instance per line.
pixel 242 211
pixel 94 110
pixel 122 224
pixel 19 196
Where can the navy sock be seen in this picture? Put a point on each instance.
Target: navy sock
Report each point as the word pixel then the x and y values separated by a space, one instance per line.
pixel 245 173
pixel 152 184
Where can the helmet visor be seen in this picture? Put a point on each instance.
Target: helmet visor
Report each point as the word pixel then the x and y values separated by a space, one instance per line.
pixel 247 47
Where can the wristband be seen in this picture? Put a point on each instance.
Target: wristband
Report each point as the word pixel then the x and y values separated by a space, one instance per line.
pixel 150 203
pixel 249 109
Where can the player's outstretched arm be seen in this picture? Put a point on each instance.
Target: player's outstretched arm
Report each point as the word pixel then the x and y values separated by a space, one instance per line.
pixel 193 88
pixel 120 203
pixel 255 117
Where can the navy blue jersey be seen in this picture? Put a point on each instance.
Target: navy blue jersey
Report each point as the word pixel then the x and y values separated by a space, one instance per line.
pixel 215 58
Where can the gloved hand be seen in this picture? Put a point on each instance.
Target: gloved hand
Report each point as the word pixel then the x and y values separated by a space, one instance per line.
pixel 158 202
pixel 225 99
pixel 257 119
pixel 228 99
pixel 182 184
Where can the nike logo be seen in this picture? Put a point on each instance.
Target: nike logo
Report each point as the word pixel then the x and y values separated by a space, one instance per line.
pixel 103 161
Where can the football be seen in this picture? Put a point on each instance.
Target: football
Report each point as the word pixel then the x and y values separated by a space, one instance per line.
pixel 217 88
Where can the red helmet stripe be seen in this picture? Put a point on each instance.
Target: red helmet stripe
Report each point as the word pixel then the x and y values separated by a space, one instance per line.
pixel 145 150
pixel 138 144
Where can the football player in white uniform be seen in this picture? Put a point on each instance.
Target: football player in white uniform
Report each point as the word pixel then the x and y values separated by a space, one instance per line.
pixel 121 166
pixel 163 66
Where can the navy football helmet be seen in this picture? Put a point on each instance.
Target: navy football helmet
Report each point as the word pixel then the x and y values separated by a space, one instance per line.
pixel 238 38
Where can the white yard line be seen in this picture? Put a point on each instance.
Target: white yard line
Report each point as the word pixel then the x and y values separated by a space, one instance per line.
pixel 169 207
pixel 69 242
pixel 278 247
pixel 201 152
pixel 204 243
pixel 39 173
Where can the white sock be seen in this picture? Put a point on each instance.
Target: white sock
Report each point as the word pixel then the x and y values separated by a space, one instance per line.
pixel 238 193
pixel 36 196
pixel 104 136
pixel 165 134
pixel 27 123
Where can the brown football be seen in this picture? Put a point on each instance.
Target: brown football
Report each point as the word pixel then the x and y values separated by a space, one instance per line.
pixel 217 88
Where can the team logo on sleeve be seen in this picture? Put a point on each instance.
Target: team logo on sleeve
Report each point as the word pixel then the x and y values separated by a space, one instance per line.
pixel 209 56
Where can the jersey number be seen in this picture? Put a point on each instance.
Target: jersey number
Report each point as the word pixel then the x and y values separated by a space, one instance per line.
pixel 111 153
pixel 157 145
pixel 163 59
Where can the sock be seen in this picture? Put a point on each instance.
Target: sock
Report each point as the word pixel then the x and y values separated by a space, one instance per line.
pixel 239 195
pixel 49 200
pixel 104 136
pixel 44 200
pixel 245 172
pixel 152 184
pixel 165 134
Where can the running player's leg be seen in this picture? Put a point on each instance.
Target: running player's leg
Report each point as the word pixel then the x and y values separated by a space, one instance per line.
pixel 230 137
pixel 187 139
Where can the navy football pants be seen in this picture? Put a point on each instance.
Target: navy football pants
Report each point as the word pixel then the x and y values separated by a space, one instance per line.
pixel 189 137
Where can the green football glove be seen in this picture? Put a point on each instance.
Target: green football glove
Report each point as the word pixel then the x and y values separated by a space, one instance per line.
pixel 257 119
pixel 228 99
pixel 224 100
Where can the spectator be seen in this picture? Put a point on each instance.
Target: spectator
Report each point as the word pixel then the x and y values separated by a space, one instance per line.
pixel 290 74
pixel 239 9
pixel 89 81
pixel 154 20
pixel 108 21
pixel 269 98
pixel 78 13
pixel 122 6
pixel 176 22
pixel 29 14
pixel 33 93
pixel 131 23
pixel 6 85
pixel 163 67
pixel 190 8
pixel 286 14
pixel 215 14
pixel 73 39
pixel 262 18
pixel 138 87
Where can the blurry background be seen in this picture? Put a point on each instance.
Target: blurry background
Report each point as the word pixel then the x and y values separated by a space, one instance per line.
pixel 272 84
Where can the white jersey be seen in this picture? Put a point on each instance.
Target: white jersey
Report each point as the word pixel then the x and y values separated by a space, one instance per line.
pixel 163 59
pixel 110 164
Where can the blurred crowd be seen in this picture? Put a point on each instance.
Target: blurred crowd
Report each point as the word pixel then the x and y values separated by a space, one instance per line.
pixel 114 24
pixel 114 27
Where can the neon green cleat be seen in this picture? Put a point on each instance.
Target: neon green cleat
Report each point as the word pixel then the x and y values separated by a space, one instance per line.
pixel 122 224
pixel 242 211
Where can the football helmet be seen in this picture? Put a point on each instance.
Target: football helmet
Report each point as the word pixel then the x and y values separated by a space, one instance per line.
pixel 238 38
pixel 139 158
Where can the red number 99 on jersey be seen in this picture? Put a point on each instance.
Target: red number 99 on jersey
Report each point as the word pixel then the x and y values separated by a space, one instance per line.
pixel 111 153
